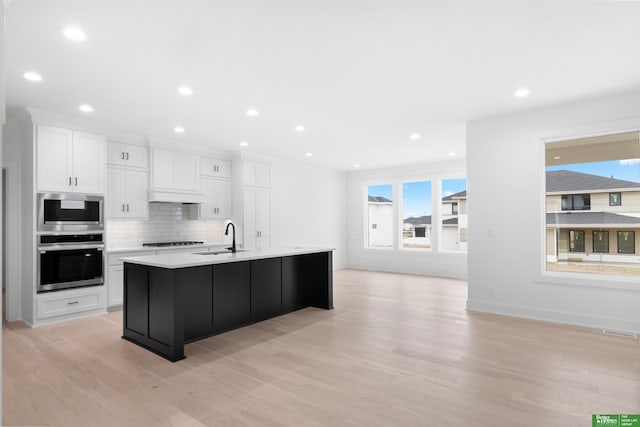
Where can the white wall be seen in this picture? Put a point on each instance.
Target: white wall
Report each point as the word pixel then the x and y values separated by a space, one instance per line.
pixel 430 262
pixel 308 207
pixel 506 222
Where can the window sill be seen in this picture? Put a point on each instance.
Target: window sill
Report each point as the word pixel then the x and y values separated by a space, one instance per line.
pixel 601 281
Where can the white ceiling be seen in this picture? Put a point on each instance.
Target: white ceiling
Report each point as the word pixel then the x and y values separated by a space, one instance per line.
pixel 361 76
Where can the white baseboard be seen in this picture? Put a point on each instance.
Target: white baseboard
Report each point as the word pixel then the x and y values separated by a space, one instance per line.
pixel 577 319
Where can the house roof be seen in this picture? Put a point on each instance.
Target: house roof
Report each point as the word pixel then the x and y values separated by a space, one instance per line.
pixel 591 218
pixel 564 180
pixel 425 219
pixel 379 199
pixel 450 221
pixel 454 196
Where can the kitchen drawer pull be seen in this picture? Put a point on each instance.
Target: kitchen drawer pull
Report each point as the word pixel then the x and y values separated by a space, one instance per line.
pixel 123 207
pixel 69 180
pixel 123 155
pixel 127 207
pixel 127 156
pixel 76 181
pixel 72 302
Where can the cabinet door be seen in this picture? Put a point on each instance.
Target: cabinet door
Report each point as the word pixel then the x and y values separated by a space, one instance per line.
pixel 266 287
pixel 114 199
pixel 136 156
pixel 249 216
pixel 88 163
pixel 207 166
pixel 136 190
pixel 222 199
pixel 264 175
pixel 165 169
pixel 116 153
pixel 54 147
pixel 250 173
pixel 231 295
pixel 115 285
pixel 263 218
pixel 188 172
pixel 223 168
pixel 207 186
pixel 197 300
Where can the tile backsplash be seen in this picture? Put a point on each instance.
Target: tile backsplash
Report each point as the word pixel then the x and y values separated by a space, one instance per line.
pixel 167 222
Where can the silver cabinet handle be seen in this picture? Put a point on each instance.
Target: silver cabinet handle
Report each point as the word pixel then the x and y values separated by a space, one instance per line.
pixel 123 207
pixel 127 156
pixel 127 207
pixel 123 155
pixel 76 181
pixel 69 180
pixel 72 302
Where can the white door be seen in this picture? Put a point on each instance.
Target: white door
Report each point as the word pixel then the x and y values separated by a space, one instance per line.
pixel 188 172
pixel 115 285
pixel 249 224
pixel 116 154
pixel 136 194
pixel 250 173
pixel 114 199
pixel 207 186
pixel 222 198
pixel 263 217
pixel 165 169
pixel 264 175
pixel 53 159
pixel 136 156
pixel 88 163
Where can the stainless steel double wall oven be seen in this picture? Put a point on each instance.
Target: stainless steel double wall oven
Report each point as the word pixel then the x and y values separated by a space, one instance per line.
pixel 70 241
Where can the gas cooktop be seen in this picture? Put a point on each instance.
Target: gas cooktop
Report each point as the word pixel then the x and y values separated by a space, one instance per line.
pixel 185 243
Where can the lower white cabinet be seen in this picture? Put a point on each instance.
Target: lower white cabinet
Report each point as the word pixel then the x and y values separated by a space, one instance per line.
pixel 115 290
pixel 217 194
pixel 62 304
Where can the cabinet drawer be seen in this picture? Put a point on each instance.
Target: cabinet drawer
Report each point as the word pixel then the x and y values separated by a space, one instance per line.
pixel 63 303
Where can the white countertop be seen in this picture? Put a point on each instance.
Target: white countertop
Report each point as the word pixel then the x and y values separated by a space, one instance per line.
pixel 165 248
pixel 182 260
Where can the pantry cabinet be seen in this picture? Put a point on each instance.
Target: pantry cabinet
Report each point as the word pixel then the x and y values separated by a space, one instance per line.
pixel 69 161
pixel 257 218
pixel 127 193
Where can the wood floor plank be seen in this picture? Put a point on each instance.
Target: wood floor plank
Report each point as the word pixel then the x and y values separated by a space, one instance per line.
pixel 398 350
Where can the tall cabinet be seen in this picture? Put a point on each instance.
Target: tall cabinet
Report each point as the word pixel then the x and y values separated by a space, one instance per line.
pixel 127 181
pixel 253 209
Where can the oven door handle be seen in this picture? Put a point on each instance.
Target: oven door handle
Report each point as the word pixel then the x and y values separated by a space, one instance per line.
pixel 45 249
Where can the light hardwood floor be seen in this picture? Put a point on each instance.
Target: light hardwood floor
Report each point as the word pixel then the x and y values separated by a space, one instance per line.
pixel 397 350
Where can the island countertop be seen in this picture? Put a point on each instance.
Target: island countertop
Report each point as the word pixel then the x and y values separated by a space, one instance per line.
pixel 182 260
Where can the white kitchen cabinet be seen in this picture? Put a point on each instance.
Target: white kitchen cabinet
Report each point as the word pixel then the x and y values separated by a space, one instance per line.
pixel 215 168
pixel 257 218
pixel 127 193
pixel 63 304
pixel 177 171
pixel 115 285
pixel 133 156
pixel 255 174
pixel 70 161
pixel 217 194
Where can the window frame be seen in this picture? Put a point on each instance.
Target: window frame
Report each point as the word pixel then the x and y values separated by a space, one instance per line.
pixel 593 241
pixel 633 241
pixel 573 196
pixel 408 179
pixel 619 193
pixel 366 224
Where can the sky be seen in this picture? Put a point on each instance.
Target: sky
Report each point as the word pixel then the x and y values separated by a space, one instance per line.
pixel 416 196
pixel 628 170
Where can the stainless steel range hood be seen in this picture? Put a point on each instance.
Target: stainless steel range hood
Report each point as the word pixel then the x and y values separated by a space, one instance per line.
pixel 175 197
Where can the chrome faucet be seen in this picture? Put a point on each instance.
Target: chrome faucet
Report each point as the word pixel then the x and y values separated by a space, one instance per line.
pixel 226 233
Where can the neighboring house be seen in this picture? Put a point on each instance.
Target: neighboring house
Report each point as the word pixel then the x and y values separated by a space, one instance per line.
pixel 380 222
pixel 592 218
pixel 416 232
pixel 454 222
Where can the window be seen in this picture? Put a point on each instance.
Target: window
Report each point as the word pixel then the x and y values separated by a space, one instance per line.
pixel 601 242
pixel 585 181
pixel 626 242
pixel 615 199
pixel 380 216
pixel 416 215
pixel 576 202
pixel 576 240
pixel 454 215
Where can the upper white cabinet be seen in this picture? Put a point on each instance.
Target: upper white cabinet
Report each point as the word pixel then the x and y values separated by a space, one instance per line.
pixel 134 156
pixel 127 193
pixel 175 170
pixel 217 195
pixel 215 168
pixel 256 174
pixel 257 218
pixel 70 161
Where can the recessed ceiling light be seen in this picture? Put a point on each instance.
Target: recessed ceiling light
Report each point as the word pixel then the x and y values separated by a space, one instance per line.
pixel 521 93
pixel 308 154
pixel 356 166
pixel 74 33
pixel 244 144
pixel 451 153
pixel 556 157
pixel 86 108
pixel 252 112
pixel 32 76
pixel 185 90
pixel 414 136
pixel 299 128
pixel 178 129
